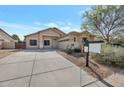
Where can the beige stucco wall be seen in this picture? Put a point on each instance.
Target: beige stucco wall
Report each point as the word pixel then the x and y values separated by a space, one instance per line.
pixel 40 37
pixel 68 43
pixel 40 41
pixel 31 37
pixel 55 43
pixel 63 45
pixel 8 45
pixel 47 38
pixel 5 37
pixel 69 40
pixel 50 35
pixel 1 44
pixel 55 40
pixel 7 41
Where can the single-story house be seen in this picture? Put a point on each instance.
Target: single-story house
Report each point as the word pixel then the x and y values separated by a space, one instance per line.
pixel 75 40
pixel 55 38
pixel 6 41
pixel 47 38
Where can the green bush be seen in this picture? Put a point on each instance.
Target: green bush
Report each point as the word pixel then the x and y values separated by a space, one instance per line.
pixel 120 40
pixel 69 51
pixel 77 50
pixel 111 55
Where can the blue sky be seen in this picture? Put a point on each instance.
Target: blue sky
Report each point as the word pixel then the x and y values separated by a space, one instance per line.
pixel 23 20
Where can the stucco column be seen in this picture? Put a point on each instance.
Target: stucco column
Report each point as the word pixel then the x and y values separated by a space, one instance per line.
pixel 41 41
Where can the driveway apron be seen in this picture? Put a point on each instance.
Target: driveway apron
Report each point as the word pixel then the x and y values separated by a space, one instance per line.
pixel 41 68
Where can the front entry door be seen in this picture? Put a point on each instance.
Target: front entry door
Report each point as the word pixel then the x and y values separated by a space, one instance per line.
pixel 46 43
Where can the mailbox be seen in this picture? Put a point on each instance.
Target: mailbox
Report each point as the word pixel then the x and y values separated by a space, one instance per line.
pixel 91 46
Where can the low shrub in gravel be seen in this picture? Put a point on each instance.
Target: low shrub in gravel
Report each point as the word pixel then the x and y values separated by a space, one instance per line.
pixel 69 51
pixel 77 50
pixel 110 55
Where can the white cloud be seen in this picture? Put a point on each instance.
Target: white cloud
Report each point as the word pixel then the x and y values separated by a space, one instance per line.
pixel 17 26
pixel 64 26
pixel 6 24
pixel 22 29
pixel 37 23
pixel 69 29
pixel 51 24
pixel 19 29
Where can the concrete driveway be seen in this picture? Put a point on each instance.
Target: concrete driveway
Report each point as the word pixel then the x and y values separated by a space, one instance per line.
pixel 41 68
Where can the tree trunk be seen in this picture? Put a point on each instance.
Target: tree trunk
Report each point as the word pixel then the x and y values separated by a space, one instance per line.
pixel 108 39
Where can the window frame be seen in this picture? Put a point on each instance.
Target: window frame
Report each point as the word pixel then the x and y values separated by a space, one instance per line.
pixel 75 39
pixel 33 42
pixel 46 43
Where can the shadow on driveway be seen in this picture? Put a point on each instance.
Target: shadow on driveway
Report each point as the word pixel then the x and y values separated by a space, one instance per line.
pixel 100 78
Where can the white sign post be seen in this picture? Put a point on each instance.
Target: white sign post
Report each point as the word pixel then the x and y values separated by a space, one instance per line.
pixel 95 47
pixel 91 46
pixel 86 49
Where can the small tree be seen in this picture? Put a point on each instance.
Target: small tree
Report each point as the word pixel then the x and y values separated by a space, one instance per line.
pixel 105 21
pixel 16 37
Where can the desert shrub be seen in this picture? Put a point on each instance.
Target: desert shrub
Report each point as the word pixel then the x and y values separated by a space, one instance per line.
pixel 120 40
pixel 111 55
pixel 77 50
pixel 69 51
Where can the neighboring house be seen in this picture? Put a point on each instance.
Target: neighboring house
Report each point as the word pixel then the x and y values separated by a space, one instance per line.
pixel 75 40
pixel 47 38
pixel 55 38
pixel 70 40
pixel 6 41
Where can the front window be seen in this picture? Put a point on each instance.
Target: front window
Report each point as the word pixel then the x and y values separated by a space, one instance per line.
pixel 33 42
pixel 84 39
pixel 74 39
pixel 46 42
